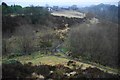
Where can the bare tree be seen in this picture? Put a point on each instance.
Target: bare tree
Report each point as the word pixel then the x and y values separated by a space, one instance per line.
pixel 97 43
pixel 25 34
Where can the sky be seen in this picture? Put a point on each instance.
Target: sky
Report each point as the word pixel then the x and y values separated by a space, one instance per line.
pixel 79 3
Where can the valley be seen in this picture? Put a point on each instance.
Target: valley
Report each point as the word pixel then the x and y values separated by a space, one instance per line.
pixel 69 44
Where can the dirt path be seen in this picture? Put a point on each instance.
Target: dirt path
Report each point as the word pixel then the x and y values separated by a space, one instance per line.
pixel 68 57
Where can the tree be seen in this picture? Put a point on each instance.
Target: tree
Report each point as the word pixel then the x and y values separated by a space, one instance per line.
pixel 74 7
pixel 11 9
pixel 25 38
pixel 17 9
pixel 96 43
pixel 37 14
pixel 46 41
pixel 4 8
pixel 55 8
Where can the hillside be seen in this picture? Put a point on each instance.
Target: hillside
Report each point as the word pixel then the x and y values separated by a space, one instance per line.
pixel 103 11
pixel 58 44
pixel 51 64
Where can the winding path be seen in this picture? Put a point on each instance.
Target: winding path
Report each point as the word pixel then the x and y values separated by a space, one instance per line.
pixel 68 57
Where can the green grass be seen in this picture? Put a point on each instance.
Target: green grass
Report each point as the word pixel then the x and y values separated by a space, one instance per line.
pixel 64 49
pixel 116 70
pixel 53 60
pixel 50 60
pixel 9 61
pixel 29 57
pixel 37 58
pixel 59 54
pixel 19 54
pixel 25 56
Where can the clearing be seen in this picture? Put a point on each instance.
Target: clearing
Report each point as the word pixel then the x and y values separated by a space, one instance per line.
pixel 68 14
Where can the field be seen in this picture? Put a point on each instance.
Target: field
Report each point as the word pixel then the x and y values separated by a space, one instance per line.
pixel 69 14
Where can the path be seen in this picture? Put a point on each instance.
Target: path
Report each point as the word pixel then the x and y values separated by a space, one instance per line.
pixel 68 57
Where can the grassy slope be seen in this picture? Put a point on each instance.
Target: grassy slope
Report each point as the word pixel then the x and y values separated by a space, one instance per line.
pixel 68 14
pixel 65 50
pixel 38 59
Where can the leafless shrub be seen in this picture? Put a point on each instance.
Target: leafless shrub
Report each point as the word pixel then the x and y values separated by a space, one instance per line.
pixel 25 34
pixel 95 42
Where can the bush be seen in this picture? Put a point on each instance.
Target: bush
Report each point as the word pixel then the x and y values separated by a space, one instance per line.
pixel 19 54
pixel 10 61
pixel 64 49
pixel 58 74
pixel 15 70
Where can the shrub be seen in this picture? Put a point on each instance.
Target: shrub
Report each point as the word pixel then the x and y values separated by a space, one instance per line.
pixel 19 54
pixel 10 61
pixel 64 49
pixel 58 74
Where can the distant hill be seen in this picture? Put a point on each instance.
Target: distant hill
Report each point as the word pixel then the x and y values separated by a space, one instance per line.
pixel 119 12
pixel 103 11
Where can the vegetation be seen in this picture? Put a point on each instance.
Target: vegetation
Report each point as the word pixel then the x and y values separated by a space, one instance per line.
pixel 11 9
pixel 96 43
pixel 104 12
pixel 10 61
pixel 38 44
pixel 50 72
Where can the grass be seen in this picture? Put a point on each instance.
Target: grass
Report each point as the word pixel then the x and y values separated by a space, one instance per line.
pixel 26 57
pixel 50 60
pixel 38 59
pixel 9 61
pixel 116 70
pixel 30 57
pixel 68 14
pixel 64 49
pixel 54 60
pixel 59 54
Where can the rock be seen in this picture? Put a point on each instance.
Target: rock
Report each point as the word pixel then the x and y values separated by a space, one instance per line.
pixel 67 74
pixel 41 76
pixel 51 71
pixel 35 75
pixel 73 73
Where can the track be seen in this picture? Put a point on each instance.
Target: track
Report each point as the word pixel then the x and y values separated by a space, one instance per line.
pixel 68 57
